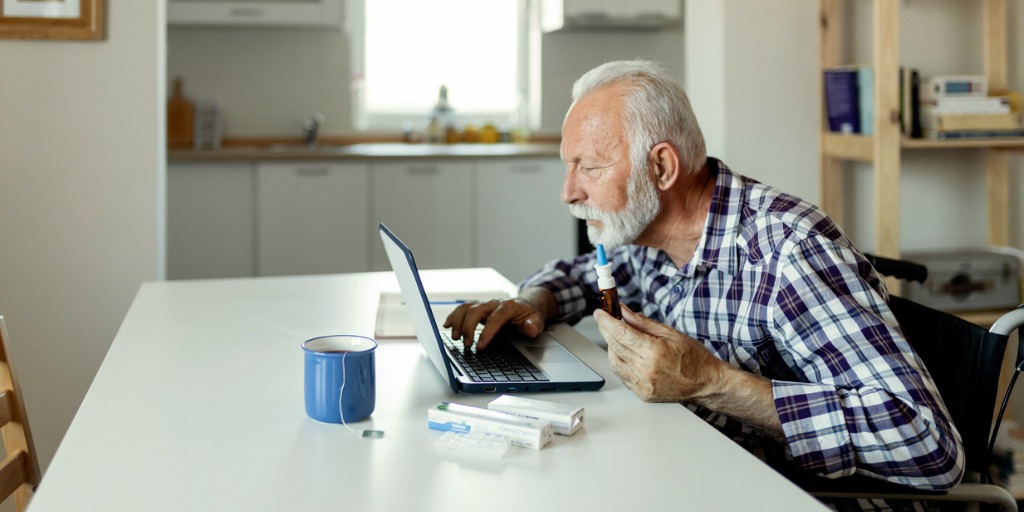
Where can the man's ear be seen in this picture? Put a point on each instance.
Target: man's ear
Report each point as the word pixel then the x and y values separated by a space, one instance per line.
pixel 666 167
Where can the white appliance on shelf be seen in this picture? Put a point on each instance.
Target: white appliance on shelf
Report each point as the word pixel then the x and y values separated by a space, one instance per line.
pixel 297 13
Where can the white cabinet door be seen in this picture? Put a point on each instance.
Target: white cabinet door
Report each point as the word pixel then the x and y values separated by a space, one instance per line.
pixel 312 218
pixel 429 205
pixel 523 222
pixel 210 224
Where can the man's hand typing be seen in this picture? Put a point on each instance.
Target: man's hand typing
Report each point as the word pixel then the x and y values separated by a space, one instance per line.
pixel 527 313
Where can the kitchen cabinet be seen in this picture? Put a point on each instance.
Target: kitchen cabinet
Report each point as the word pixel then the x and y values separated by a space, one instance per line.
pixel 282 13
pixel 210 223
pixel 430 205
pixel 522 222
pixel 287 217
pixel 312 218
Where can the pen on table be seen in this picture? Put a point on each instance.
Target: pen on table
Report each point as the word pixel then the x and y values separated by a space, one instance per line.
pixel 446 302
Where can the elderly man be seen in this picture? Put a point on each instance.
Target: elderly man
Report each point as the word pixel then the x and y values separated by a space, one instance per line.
pixel 747 305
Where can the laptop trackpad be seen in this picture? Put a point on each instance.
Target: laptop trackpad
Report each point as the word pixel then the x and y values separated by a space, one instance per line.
pixel 550 353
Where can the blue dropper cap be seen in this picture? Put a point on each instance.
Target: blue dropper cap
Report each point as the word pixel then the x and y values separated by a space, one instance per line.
pixel 602 259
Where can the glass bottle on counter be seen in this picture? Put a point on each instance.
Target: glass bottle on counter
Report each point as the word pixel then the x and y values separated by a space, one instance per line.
pixel 441 122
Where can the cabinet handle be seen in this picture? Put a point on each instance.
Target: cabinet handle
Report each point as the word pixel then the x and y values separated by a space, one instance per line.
pixel 245 12
pixel 422 169
pixel 526 168
pixel 311 171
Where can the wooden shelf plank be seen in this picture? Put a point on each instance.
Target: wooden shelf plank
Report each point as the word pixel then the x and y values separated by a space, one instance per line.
pixel 848 147
pixel 858 147
pixel 1005 142
pixel 886 139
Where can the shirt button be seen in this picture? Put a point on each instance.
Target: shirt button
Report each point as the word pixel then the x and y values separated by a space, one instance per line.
pixel 677 289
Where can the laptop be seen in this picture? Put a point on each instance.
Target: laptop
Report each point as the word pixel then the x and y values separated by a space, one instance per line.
pixel 543 363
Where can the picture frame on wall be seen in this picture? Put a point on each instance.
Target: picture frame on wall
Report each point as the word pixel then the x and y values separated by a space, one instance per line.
pixel 51 19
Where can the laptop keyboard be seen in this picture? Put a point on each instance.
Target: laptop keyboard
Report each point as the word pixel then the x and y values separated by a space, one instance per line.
pixel 500 362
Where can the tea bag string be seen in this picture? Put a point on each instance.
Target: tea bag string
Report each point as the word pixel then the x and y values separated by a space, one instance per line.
pixel 341 395
pixel 369 434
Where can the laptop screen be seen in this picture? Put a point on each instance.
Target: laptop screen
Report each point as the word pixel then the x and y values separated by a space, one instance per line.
pixel 416 301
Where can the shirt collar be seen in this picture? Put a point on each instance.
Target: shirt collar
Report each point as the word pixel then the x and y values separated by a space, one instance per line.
pixel 717 248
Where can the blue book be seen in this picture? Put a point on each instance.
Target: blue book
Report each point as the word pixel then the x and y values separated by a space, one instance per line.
pixel 841 98
pixel 866 100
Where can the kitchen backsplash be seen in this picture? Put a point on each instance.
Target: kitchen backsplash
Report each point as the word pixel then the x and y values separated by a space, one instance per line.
pixel 267 82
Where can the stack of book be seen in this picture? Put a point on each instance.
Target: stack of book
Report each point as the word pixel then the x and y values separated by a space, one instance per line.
pixel 959 107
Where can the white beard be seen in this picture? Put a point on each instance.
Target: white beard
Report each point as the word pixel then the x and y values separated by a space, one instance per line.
pixel 625 226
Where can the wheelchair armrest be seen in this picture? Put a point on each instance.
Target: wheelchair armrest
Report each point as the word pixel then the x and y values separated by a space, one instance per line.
pixel 963 493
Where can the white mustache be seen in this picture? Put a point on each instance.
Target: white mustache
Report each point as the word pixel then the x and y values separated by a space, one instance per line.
pixel 584 212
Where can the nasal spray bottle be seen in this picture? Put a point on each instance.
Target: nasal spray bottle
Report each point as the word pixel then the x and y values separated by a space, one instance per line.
pixel 606 283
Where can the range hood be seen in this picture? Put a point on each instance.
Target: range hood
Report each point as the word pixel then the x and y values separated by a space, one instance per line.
pixel 599 15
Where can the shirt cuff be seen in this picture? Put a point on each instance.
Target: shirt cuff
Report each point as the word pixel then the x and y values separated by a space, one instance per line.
pixel 815 424
pixel 568 293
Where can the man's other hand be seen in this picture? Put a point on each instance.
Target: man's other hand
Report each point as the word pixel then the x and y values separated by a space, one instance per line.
pixel 656 362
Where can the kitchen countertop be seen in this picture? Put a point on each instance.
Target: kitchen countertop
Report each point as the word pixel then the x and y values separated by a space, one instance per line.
pixel 371 150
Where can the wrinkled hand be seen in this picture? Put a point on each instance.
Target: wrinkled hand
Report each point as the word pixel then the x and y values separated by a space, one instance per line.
pixel 523 315
pixel 656 362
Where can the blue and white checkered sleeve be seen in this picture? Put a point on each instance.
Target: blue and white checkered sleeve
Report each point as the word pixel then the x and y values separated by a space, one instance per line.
pixel 570 283
pixel 574 282
pixel 866 404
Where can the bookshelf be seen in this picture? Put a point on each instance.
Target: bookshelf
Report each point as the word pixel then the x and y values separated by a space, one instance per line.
pixel 884 148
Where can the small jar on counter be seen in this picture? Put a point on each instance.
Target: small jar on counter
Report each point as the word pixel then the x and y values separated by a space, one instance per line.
pixel 489 133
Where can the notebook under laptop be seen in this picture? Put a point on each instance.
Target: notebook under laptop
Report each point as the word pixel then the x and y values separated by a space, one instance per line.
pixel 548 365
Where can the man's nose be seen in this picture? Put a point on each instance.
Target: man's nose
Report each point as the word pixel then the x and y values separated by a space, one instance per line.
pixel 571 191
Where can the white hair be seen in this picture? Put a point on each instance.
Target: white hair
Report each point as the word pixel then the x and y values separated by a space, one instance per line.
pixel 656 110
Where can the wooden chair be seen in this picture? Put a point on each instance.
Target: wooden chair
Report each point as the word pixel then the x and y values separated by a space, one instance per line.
pixel 19 472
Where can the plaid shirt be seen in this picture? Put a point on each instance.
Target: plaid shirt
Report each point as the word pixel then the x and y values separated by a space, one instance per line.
pixel 776 288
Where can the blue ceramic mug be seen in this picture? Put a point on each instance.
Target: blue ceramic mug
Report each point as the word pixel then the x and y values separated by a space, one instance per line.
pixel 341 383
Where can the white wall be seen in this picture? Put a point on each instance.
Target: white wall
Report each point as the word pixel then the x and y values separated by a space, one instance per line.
pixel 81 208
pixel 565 56
pixel 751 71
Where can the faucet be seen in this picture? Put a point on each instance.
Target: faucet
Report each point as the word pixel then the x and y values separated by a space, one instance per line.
pixel 311 129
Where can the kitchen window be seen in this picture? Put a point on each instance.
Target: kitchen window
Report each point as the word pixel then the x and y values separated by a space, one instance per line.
pixel 405 50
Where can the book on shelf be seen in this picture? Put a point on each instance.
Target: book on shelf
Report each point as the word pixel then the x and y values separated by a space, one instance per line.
pixel 866 100
pixel 972 134
pixel 842 100
pixel 954 122
pixel 954 85
pixel 910 102
pixel 966 105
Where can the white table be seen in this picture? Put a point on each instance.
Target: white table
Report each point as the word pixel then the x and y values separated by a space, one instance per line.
pixel 199 406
